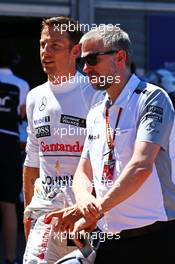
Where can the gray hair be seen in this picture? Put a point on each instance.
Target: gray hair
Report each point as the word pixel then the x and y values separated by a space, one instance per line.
pixel 113 37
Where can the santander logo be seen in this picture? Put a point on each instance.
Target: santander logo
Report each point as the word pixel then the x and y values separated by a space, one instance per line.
pixel 61 147
pixel 44 243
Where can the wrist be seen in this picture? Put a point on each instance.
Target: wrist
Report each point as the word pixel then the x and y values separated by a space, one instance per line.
pixel 101 206
pixel 81 196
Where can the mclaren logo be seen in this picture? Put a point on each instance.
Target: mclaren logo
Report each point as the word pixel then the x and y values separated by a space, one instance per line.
pixel 43 103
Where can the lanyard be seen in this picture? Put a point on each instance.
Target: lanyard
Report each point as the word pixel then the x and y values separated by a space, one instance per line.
pixel 111 138
pixel 109 162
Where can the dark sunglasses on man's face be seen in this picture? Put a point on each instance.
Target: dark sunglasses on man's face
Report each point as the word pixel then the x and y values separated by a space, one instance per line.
pixel 91 59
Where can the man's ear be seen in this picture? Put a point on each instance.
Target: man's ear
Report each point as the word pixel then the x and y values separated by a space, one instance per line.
pixel 120 57
pixel 76 50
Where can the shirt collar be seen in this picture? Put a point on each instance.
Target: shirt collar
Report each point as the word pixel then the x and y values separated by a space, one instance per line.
pixel 125 95
pixel 127 91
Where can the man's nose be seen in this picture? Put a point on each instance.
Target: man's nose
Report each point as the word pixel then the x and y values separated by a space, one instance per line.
pixel 46 48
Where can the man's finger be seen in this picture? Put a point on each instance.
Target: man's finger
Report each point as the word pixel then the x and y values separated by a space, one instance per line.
pixel 48 217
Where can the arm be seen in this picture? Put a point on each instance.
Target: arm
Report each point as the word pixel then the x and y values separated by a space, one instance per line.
pixel 23 94
pixel 31 163
pixel 131 179
pixel 133 175
pixel 82 181
pixel 83 189
pixel 29 176
pixel 22 111
pixel 83 186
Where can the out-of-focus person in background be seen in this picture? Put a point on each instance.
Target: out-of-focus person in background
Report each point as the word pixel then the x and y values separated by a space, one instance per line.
pixel 13 91
pixel 163 78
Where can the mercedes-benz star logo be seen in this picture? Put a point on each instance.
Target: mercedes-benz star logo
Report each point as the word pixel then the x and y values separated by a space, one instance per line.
pixel 43 104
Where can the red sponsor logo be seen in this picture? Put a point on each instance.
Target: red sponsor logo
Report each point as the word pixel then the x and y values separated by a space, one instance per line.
pixel 61 147
pixel 43 246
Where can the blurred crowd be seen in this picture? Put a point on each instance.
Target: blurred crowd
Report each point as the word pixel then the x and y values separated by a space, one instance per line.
pixel 165 79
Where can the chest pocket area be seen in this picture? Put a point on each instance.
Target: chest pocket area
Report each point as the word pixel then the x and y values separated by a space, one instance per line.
pixel 124 143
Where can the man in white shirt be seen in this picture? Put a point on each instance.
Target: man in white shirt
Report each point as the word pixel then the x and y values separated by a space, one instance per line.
pixel 56 112
pixel 127 156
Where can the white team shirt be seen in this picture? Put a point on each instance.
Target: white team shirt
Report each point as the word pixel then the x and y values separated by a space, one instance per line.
pixel 56 132
pixel 148 117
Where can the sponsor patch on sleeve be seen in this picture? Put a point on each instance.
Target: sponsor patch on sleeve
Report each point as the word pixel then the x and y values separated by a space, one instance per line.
pixel 155 109
pixel 154 117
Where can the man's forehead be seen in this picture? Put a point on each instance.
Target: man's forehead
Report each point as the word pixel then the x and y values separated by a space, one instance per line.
pixel 92 45
pixel 52 32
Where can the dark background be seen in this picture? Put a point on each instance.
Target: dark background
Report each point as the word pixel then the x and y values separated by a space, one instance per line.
pixel 24 33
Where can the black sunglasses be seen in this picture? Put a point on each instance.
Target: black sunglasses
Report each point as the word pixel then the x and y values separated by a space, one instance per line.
pixel 91 58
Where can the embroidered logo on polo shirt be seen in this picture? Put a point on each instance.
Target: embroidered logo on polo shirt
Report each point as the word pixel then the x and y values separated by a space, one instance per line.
pixel 154 109
pixel 93 137
pixel 43 103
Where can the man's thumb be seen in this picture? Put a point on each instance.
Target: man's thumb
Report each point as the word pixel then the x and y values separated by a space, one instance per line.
pixel 48 218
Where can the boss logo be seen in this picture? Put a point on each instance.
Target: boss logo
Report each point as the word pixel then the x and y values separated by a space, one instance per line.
pixel 42 131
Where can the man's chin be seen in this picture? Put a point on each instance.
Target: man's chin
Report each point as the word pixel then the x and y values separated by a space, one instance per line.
pixel 98 87
pixel 47 69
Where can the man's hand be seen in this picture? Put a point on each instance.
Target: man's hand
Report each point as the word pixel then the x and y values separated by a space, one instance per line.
pixel 84 224
pixel 64 218
pixel 89 206
pixel 27 223
pixel 71 220
pixel 81 227
pixel 83 189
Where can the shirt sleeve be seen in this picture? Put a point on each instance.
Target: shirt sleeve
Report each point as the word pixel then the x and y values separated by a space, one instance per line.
pixel 24 89
pixel 32 147
pixel 23 92
pixel 156 118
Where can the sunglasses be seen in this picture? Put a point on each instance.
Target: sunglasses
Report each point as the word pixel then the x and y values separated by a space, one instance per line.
pixel 91 59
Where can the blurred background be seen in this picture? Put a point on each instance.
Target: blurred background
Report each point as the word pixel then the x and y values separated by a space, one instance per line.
pixel 150 24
